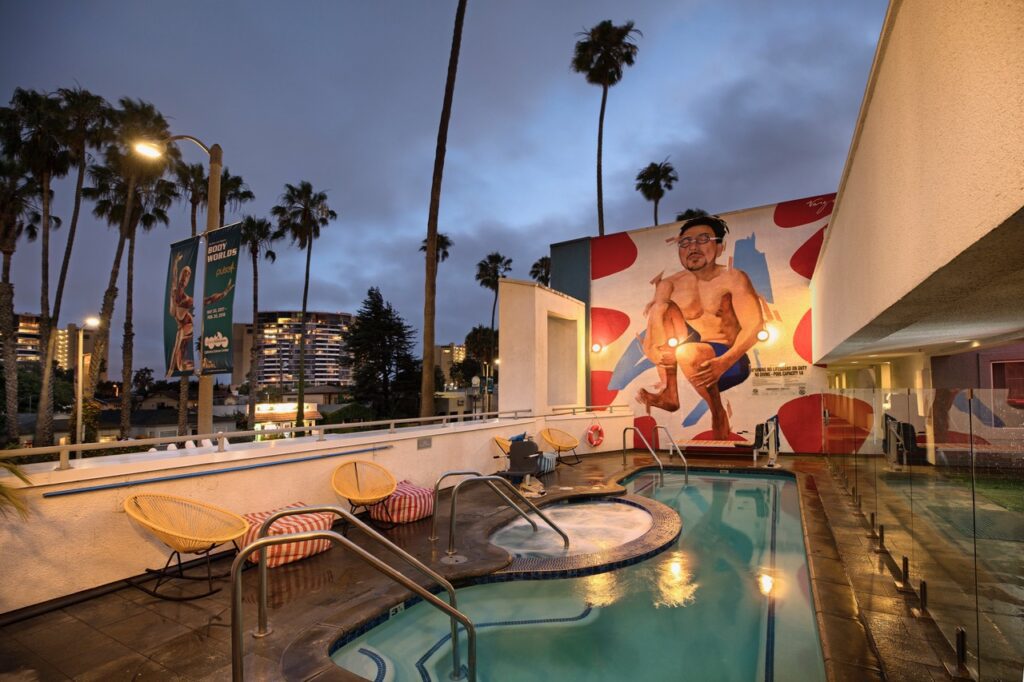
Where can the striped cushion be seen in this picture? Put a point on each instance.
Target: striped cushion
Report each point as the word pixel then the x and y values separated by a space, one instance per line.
pixel 291 551
pixel 407 504
pixel 548 462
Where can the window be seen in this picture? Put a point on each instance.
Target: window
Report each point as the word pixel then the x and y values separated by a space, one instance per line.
pixel 1009 376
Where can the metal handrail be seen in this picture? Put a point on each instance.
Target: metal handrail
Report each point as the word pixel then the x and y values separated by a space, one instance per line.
pixel 672 441
pixel 587 408
pixel 654 454
pixel 497 479
pixel 237 673
pixel 437 492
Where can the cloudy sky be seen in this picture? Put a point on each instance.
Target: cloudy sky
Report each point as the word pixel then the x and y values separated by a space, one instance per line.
pixel 752 102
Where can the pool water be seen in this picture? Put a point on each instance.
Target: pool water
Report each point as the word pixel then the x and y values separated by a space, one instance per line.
pixel 730 601
pixel 591 527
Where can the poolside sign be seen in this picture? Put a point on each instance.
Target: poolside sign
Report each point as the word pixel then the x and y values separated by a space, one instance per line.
pixel 179 307
pixel 218 298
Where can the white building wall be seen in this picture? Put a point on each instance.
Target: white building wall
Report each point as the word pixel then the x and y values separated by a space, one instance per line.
pixel 937 160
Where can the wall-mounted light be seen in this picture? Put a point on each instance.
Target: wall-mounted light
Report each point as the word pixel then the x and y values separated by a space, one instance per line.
pixel 763 335
pixel 596 347
pixel 673 342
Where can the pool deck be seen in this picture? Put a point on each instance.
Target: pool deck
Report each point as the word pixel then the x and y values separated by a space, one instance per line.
pixel 868 628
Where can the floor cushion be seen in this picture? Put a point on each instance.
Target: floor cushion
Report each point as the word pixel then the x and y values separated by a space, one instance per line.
pixel 278 555
pixel 548 461
pixel 408 503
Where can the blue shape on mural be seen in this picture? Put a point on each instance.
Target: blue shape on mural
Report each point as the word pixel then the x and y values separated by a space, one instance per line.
pixel 747 258
pixel 632 364
pixel 982 412
pixel 695 414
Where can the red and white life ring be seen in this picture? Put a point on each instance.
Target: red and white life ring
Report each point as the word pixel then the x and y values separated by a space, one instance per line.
pixel 595 434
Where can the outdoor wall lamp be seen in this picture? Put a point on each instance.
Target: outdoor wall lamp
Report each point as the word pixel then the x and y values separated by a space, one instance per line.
pixel 597 348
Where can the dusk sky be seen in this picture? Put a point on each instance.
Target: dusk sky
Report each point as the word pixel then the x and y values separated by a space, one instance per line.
pixel 753 103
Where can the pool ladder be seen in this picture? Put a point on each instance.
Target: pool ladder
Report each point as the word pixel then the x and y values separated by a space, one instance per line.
pixel 491 481
pixel 638 434
pixel 263 541
pixel 673 446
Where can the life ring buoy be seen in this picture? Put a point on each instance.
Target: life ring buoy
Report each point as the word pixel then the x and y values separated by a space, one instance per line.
pixel 595 435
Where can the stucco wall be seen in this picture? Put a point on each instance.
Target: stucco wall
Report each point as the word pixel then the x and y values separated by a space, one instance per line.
pixel 937 160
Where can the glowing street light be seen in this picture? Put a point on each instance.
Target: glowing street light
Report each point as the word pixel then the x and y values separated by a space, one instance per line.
pixel 90 322
pixel 155 150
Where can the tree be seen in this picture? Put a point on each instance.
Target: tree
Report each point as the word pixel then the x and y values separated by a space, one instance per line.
pixel 142 382
pixel 541 270
pixel 601 55
pixel 488 272
pixel 116 188
pixel 38 122
pixel 300 215
pixel 691 213
pixel 380 344
pixel 654 180
pixel 462 373
pixel 444 244
pixel 17 190
pixel 431 247
pixel 233 192
pixel 257 237
pixel 480 344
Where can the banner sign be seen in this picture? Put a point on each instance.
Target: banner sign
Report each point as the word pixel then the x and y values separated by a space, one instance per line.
pixel 219 297
pixel 179 308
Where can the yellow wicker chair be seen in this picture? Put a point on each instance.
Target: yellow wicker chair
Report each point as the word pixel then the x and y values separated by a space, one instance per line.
pixel 562 442
pixel 504 444
pixel 364 484
pixel 186 527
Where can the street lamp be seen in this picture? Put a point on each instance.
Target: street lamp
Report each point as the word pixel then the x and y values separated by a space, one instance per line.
pixel 154 150
pixel 87 323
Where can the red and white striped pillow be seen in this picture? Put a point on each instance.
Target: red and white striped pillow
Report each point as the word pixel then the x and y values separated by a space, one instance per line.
pixel 408 503
pixel 290 551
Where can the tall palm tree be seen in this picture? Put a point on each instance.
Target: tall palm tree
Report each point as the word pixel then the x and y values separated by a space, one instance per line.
pixel 42 148
pixel 258 236
pixel 541 270
pixel 192 184
pixel 431 259
pixel 233 192
pixel 654 180
pixel 444 245
pixel 300 215
pixel 17 190
pixel 115 192
pixel 488 272
pixel 601 55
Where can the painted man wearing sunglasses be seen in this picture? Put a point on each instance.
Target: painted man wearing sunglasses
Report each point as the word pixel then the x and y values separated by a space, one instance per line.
pixel 703 320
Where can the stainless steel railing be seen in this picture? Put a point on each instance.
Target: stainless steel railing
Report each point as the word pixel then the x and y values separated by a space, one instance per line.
pixel 654 454
pixel 512 488
pixel 437 493
pixel 237 672
pixel 675 446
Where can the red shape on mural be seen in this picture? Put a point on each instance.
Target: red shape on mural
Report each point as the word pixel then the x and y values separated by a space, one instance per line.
pixel 611 254
pixel 849 424
pixel 710 435
pixel 806 257
pixel 802 337
pixel 607 324
pixel 600 394
pixel 802 211
pixel 800 422
pixel 645 425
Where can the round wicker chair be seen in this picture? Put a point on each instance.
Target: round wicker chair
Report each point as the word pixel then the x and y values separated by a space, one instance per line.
pixel 364 484
pixel 186 527
pixel 562 442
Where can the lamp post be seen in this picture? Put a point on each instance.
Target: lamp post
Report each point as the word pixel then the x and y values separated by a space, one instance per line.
pixel 155 150
pixel 88 323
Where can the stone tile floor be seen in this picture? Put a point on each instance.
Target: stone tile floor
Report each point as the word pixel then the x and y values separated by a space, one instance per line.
pixel 868 630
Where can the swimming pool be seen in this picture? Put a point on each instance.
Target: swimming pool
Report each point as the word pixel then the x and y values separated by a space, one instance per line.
pixel 730 600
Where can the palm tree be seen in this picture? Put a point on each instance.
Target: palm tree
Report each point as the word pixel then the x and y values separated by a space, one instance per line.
pixel 233 192
pixel 40 122
pixel 300 215
pixel 257 236
pixel 654 180
pixel 192 184
pixel 115 191
pixel 444 244
pixel 541 270
pixel 601 56
pixel 488 272
pixel 17 189
pixel 431 245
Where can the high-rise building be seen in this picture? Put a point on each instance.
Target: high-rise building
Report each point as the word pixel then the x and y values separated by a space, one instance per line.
pixel 278 344
pixel 446 356
pixel 28 338
pixel 66 343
